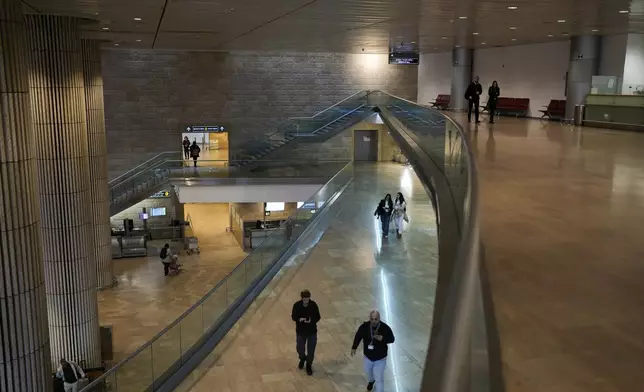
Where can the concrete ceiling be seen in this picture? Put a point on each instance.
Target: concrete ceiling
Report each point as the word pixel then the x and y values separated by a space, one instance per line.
pixel 343 25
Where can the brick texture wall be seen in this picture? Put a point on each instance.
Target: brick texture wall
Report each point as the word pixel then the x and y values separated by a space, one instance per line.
pixel 151 96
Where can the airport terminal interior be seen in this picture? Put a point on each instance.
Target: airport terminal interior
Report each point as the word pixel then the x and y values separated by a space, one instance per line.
pixel 180 179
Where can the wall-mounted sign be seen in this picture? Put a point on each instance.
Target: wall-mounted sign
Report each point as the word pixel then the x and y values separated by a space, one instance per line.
pixel 160 195
pixel 206 128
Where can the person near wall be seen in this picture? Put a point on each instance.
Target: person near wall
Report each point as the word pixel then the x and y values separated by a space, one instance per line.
pixel 400 213
pixel 493 94
pixel 375 336
pixel 194 152
pixel 186 147
pixel 71 374
pixel 473 96
pixel 306 315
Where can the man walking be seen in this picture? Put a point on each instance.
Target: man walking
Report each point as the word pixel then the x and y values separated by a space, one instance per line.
pixel 306 315
pixel 473 96
pixel 375 336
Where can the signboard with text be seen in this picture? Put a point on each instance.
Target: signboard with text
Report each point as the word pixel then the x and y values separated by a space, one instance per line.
pixel 160 195
pixel 206 128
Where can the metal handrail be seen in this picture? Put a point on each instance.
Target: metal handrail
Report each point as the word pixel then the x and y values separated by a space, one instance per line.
pixel 140 165
pixel 329 123
pixel 185 314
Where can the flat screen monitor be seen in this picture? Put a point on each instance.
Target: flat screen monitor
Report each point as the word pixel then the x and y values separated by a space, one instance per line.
pixel 274 206
pixel 157 211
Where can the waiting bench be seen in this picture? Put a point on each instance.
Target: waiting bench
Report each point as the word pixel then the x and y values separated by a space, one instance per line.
pixel 556 109
pixel 513 106
pixel 442 101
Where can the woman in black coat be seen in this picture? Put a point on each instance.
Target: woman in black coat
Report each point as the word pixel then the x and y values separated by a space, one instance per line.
pixel 493 96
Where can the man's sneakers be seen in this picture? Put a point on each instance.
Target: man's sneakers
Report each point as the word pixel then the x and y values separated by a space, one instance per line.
pixel 301 364
pixel 370 385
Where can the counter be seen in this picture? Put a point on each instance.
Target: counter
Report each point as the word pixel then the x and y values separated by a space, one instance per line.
pixel 624 112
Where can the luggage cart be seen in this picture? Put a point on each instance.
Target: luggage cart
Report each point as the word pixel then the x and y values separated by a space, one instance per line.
pixel 192 245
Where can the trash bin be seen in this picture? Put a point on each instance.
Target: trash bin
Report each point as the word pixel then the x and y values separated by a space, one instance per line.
pixel 579 114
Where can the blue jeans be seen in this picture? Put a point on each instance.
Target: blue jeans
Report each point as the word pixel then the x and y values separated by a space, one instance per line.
pixel 375 371
pixel 306 347
pixel 384 219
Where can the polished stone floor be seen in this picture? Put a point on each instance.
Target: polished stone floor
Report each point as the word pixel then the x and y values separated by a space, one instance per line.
pixel 350 271
pixel 145 301
pixel 562 210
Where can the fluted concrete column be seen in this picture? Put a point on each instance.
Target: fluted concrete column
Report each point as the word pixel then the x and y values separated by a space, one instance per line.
pixel 24 339
pixel 462 60
pixel 99 191
pixel 58 111
pixel 584 63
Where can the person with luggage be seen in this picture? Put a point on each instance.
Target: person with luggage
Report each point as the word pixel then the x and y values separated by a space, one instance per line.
pixel 186 147
pixel 194 152
pixel 71 374
pixel 375 336
pixel 166 258
pixel 306 315
pixel 493 94
pixel 473 96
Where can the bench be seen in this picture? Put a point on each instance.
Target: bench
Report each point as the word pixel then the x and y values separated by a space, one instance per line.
pixel 441 102
pixel 511 106
pixel 556 109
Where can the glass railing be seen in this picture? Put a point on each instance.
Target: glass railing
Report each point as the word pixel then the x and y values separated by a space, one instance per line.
pixel 457 356
pixel 151 365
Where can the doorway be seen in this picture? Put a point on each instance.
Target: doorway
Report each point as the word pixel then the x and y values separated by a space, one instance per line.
pixel 214 147
pixel 365 145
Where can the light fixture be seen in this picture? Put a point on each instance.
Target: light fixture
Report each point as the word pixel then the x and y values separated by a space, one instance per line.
pixel 594 30
pixel 513 28
pixel 138 40
pixel 443 37
pixel 624 11
pixel 565 34
pixel 550 35
pixel 462 17
pixel 513 7
pixel 138 19
pixel 458 46
pixel 561 21
pixel 413 42
pixel 475 33
pixel 482 43
pixel 106 28
pixel 116 44
pixel 514 39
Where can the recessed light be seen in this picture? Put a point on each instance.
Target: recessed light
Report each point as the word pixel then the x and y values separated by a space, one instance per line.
pixel 482 43
pixel 413 42
pixel 513 7
pixel 106 28
pixel 561 21
pixel 514 39
pixel 565 34
pixel 462 17
pixel 594 30
pixel 443 37
pixel 458 46
pixel 116 44
pixel 138 19
pixel 513 28
pixel 550 35
pixel 138 40
pixel 624 11
pixel 475 33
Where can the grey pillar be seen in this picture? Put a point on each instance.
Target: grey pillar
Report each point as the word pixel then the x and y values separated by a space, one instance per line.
pixel 58 112
pixel 462 60
pixel 97 144
pixel 584 63
pixel 24 339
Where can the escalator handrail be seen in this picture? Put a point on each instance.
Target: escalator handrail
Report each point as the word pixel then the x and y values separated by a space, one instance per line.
pixel 131 172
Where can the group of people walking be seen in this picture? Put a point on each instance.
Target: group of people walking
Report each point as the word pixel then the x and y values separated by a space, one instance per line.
pixel 473 96
pixel 191 150
pixel 395 210
pixel 374 335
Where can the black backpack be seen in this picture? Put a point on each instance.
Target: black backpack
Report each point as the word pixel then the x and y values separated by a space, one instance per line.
pixel 164 253
pixel 69 375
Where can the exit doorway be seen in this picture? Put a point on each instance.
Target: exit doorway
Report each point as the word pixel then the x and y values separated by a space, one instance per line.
pixel 365 145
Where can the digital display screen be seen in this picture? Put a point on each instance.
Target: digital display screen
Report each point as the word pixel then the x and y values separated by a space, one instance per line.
pixel 404 58
pixel 274 206
pixel 158 211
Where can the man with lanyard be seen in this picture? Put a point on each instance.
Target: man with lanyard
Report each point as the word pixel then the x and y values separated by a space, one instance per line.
pixel 375 336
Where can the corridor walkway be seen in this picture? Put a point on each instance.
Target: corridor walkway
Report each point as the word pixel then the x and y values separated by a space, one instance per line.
pixel 350 271
pixel 562 212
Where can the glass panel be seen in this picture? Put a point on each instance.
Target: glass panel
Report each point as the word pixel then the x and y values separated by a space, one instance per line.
pixel 191 329
pixel 213 307
pixel 236 284
pixel 253 267
pixel 166 350
pixel 136 374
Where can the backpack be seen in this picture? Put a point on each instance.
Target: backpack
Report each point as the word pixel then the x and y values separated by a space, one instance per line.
pixel 69 374
pixel 164 253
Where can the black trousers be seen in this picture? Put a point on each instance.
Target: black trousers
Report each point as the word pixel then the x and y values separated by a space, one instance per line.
pixel 186 153
pixel 195 161
pixel 305 345
pixel 473 104
pixel 491 108
pixel 166 268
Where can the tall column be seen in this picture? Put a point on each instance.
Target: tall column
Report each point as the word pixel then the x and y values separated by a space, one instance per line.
pixel 462 60
pixel 24 340
pixel 58 111
pixel 584 63
pixel 99 191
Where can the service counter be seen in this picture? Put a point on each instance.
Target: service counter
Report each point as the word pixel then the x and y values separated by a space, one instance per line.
pixel 624 112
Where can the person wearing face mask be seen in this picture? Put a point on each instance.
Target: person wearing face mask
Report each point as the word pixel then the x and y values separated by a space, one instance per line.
pixel 375 336
pixel 306 315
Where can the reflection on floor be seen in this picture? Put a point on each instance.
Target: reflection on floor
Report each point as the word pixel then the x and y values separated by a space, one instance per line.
pixel 144 301
pixel 562 212
pixel 350 271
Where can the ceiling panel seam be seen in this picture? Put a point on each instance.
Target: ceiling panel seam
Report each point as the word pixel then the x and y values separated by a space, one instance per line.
pixel 156 34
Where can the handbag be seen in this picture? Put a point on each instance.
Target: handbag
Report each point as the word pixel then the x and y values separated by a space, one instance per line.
pixel 405 217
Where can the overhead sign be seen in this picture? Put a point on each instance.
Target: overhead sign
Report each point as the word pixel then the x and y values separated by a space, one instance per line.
pixel 206 128
pixel 160 195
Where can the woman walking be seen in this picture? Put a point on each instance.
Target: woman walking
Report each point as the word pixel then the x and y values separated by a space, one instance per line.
pixel 384 210
pixel 194 152
pixel 493 94
pixel 400 212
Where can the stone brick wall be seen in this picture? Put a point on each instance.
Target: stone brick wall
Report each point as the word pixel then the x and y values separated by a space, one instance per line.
pixel 151 96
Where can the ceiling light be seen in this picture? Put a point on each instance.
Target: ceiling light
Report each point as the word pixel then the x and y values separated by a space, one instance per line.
pixel 513 7
pixel 458 46
pixel 482 43
pixel 106 28
pixel 138 19
pixel 475 33
pixel 565 34
pixel 623 11
pixel 138 40
pixel 514 39
pixel 550 35
pixel 561 21
pixel 443 37
pixel 594 30
pixel 513 28
pixel 462 17
pixel 413 42
pixel 116 44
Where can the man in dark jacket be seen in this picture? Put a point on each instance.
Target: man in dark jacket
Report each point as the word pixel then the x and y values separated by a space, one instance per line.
pixel 473 96
pixel 306 315
pixel 375 336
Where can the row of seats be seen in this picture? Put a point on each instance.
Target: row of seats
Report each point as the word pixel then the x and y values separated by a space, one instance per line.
pixel 507 106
